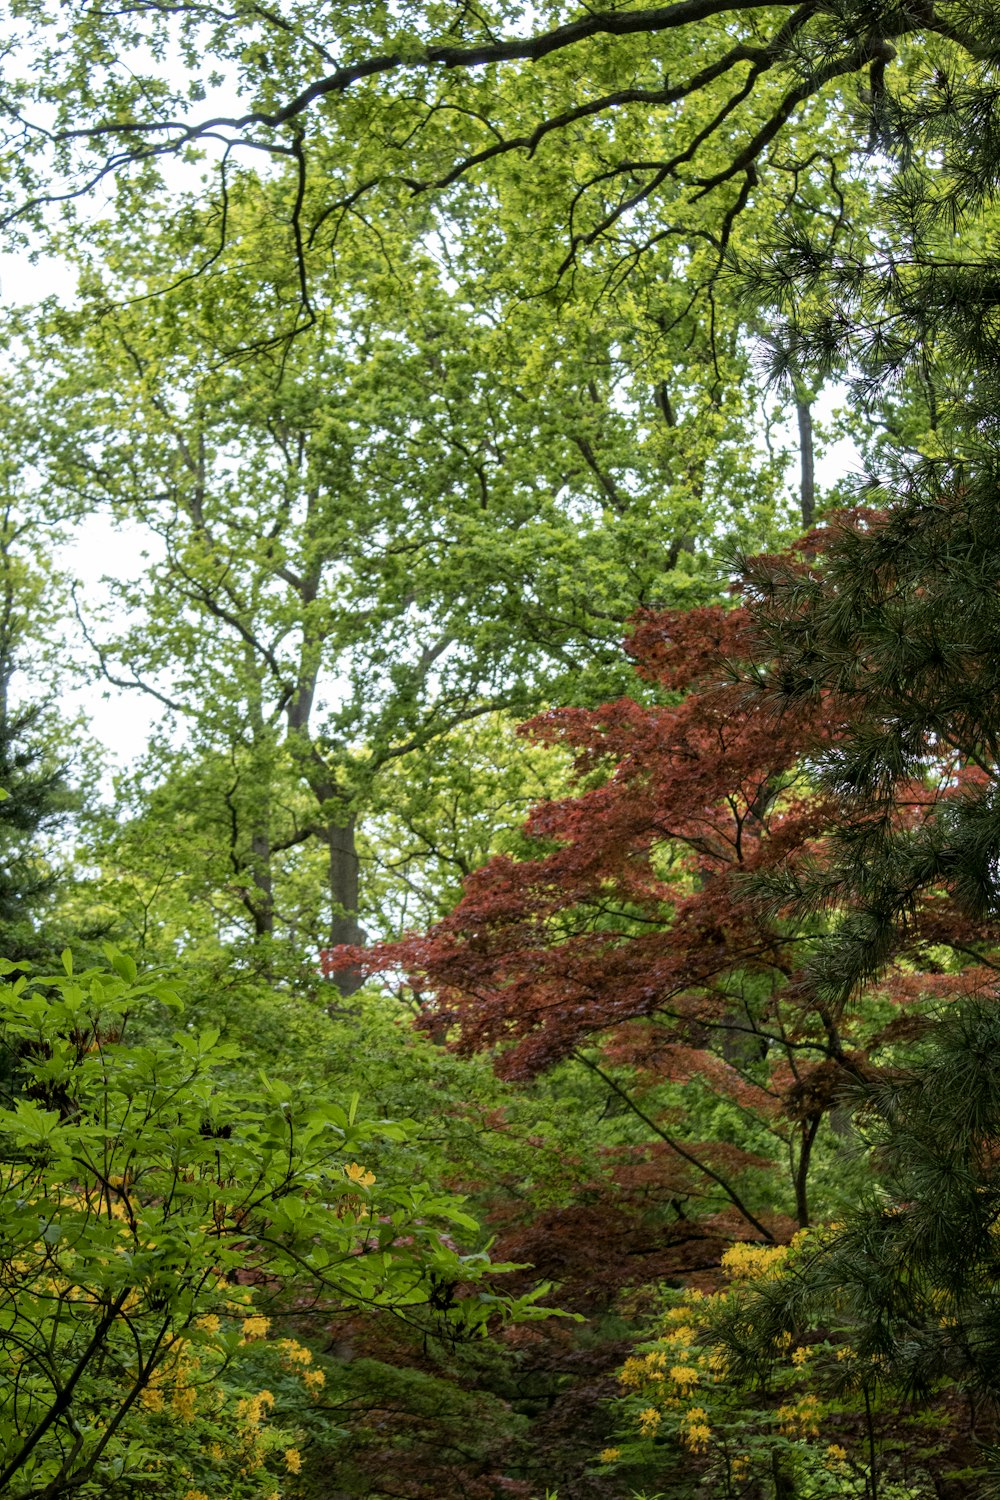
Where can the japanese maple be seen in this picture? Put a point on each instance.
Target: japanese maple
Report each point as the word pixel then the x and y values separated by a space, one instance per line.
pixel 635 938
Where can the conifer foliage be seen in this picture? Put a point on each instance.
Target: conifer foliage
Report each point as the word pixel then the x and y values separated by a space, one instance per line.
pixel 35 794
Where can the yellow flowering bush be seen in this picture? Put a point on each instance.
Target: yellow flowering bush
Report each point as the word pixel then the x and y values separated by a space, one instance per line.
pixel 231 1411
pixel 687 1400
pixel 748 1262
pixel 142 1194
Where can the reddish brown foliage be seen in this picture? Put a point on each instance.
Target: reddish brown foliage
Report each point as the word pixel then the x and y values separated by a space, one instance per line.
pixel 638 906
pixel 639 923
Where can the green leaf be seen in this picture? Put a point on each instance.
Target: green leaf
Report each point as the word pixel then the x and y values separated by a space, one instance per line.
pixel 124 966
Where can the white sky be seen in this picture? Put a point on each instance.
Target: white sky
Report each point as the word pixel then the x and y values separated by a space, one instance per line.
pixel 121 721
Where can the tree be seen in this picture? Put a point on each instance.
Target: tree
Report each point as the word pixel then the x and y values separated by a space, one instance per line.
pixel 368 109
pixel 637 921
pixel 897 618
pixel 33 757
pixel 630 925
pixel 415 517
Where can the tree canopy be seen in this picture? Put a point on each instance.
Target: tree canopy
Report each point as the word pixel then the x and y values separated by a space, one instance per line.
pixel 429 352
pixel 616 132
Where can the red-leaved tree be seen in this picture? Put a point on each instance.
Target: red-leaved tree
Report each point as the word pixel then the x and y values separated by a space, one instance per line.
pixel 632 941
pixel 638 935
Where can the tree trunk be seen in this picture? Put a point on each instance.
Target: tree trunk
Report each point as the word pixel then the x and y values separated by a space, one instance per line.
pixel 807 479
pixel 259 899
pixel 343 875
pixel 809 1129
pixel 784 1484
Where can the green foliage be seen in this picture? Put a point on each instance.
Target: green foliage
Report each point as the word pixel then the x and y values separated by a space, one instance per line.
pixel 411 424
pixel 34 759
pixel 169 877
pixel 862 1360
pixel 155 1214
pixel 417 518
pixel 443 812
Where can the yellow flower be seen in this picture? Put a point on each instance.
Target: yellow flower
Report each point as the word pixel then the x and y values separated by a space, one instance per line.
pixel 649 1421
pixel 295 1353
pixel 251 1408
pixel 685 1376
pixel 740 1465
pixel 608 1455
pixel 836 1457
pixel 256 1326
pixel 293 1460
pixel 696 1437
pixel 185 1402
pixel 208 1323
pixel 801 1355
pixel 152 1400
pixel 195 1495
pixel 695 1431
pixel 359 1174
pixel 800 1418
pixel 314 1379
pixel 747 1262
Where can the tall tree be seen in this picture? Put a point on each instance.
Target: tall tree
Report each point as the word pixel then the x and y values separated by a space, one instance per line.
pixel 415 516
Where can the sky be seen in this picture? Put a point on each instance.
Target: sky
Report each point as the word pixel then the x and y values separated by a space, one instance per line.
pixel 121 721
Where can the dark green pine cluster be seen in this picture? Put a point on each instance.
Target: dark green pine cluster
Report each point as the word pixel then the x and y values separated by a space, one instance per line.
pixel 892 615
pixel 37 797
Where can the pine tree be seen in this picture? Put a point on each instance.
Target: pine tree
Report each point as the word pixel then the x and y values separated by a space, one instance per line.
pixel 37 798
pixel 33 774
pixel 893 618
